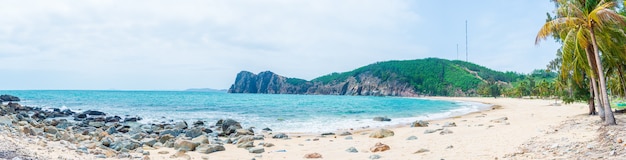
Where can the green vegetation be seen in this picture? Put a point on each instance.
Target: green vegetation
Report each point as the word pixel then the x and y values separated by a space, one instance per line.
pixel 592 57
pixel 431 76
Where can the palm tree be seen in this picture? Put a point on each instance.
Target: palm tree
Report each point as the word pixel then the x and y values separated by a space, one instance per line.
pixel 588 19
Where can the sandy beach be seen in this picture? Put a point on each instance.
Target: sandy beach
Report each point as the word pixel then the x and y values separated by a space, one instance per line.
pixel 513 129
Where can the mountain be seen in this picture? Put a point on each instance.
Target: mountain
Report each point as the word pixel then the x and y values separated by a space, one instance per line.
pixel 430 76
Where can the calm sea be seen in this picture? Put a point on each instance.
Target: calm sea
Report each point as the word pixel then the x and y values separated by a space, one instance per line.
pixel 286 113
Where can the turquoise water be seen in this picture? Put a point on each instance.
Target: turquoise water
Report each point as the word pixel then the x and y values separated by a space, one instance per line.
pixel 287 113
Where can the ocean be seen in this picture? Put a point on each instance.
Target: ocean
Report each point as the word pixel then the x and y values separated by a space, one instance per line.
pixel 281 113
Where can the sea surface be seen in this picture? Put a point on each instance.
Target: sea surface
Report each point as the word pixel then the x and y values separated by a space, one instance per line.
pixel 283 113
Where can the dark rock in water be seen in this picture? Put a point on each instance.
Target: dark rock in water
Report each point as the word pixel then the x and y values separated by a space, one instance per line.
pixel 198 123
pixel 9 98
pixel 267 129
pixel 193 133
pixel 94 113
pixel 112 119
pixel 206 130
pixel 419 123
pixel 132 119
pixel 280 136
pixel 381 119
pixel 228 126
pixel 80 117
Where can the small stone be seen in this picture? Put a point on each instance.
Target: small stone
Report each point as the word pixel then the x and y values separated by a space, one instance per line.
pixel 419 123
pixel 619 140
pixel 345 133
pixel 380 147
pixel 280 136
pixel 375 156
pixel 313 155
pixel 450 147
pixel 428 131
pixel 446 131
pixel 449 124
pixel 352 150
pixel 421 151
pixel 412 138
pixel 246 144
pixel 163 152
pixel 500 120
pixel 268 145
pixel 328 134
pixel 348 138
pixel 256 150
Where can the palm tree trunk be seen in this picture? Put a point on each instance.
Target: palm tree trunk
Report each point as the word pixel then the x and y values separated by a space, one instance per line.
pixel 592 105
pixel 608 114
pixel 620 71
pixel 594 83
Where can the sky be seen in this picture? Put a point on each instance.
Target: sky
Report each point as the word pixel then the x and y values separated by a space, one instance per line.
pixel 175 45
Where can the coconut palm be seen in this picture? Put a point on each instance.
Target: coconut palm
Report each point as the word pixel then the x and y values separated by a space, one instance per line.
pixel 588 19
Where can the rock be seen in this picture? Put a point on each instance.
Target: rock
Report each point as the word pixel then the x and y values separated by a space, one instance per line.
pixel 181 125
pixel 450 147
pixel 411 138
pixel 419 123
pixel 449 124
pixel 198 123
pixel 445 131
pixel 240 132
pixel 245 139
pixel 124 144
pixel 352 150
pixel 200 140
pixel 96 124
pixel 106 141
pixel 193 133
pixel 259 137
pixel 328 134
pixel 348 138
pixel 149 141
pixel 346 133
pixel 256 150
pixel 112 119
pixel 163 152
pixel 500 120
pixel 111 130
pixel 123 129
pixel 50 129
pixel 9 98
pixel 165 138
pixel 380 119
pixel 228 126
pixel 268 144
pixel 280 136
pixel 379 147
pixel 246 144
pixel 313 155
pixel 428 131
pixel 137 136
pixel 421 151
pixel 209 148
pixel 375 156
pixel 94 113
pixel 132 119
pixel 173 132
pixel 185 145
pixel 382 133
pixel 266 129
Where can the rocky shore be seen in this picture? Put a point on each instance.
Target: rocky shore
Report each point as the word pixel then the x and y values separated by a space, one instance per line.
pixel 96 134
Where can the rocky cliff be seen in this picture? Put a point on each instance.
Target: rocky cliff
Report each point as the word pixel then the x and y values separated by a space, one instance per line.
pixel 362 84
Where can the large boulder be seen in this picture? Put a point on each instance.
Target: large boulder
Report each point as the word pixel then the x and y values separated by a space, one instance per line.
pixel 228 126
pixel 9 98
pixel 280 136
pixel 193 133
pixel 185 145
pixel 381 133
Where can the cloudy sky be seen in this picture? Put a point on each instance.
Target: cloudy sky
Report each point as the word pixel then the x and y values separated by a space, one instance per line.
pixel 174 45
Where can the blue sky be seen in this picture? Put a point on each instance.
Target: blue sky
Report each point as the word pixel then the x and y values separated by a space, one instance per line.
pixel 174 45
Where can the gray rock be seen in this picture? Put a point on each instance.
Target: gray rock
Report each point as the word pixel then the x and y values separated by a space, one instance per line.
pixel 50 129
pixel 210 148
pixel 445 131
pixel 181 125
pixel 421 151
pixel 348 138
pixel 244 139
pixel 428 131
pixel 268 145
pixel 412 138
pixel 200 140
pixel 419 123
pixel 96 124
pixel 246 144
pixel 137 136
pixel 500 120
pixel 328 134
pixel 240 132
pixel 375 156
pixel 267 129
pixel 193 133
pixel 259 137
pixel 165 138
pixel 124 144
pixel 449 124
pixel 280 136
pixel 173 132
pixel 256 150
pixel 346 133
pixel 106 141
pixel 111 130
pixel 228 126
pixel 352 150
pixel 185 145
pixel 149 141
pixel 380 119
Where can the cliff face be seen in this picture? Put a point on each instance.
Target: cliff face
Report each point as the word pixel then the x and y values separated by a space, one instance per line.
pixel 362 84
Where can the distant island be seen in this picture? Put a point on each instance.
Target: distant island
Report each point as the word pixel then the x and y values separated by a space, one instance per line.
pixel 430 76
pixel 205 90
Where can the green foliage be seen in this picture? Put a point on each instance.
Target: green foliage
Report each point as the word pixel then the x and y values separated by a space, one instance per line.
pixel 296 81
pixel 430 76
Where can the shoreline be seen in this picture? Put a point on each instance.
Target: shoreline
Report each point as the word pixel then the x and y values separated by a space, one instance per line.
pixel 474 135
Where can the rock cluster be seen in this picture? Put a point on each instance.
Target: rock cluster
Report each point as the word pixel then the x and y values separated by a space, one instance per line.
pixel 110 136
